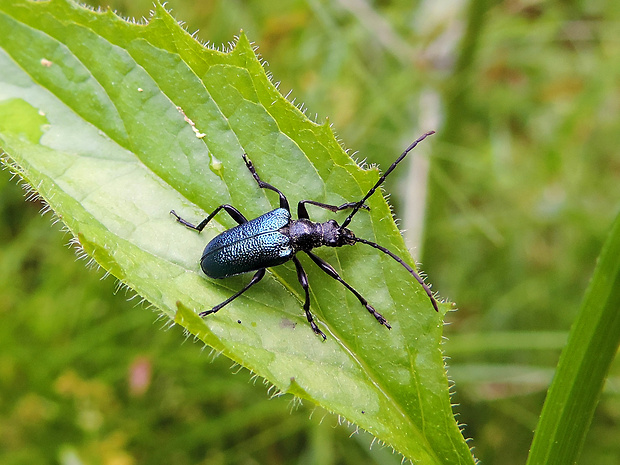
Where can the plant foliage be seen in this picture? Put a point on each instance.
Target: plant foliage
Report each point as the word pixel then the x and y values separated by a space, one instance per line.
pixel 115 123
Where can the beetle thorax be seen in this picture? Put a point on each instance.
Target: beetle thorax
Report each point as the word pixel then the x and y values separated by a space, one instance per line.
pixel 306 235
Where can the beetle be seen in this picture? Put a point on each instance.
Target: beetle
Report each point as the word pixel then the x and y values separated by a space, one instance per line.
pixel 275 238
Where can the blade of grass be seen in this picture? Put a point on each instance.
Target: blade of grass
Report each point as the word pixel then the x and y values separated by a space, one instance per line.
pixel 584 364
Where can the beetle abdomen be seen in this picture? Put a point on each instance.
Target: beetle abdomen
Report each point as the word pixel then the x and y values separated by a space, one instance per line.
pixel 248 247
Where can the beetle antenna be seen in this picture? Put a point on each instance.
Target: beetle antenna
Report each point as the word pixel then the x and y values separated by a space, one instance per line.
pixel 407 267
pixel 360 204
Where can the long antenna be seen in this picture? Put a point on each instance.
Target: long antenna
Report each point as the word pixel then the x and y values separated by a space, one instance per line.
pixel 382 178
pixel 407 267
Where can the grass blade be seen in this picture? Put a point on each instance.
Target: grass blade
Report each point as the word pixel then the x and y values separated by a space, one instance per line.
pixel 584 363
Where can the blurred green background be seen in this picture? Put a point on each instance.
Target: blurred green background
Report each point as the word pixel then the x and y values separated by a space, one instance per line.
pixel 523 185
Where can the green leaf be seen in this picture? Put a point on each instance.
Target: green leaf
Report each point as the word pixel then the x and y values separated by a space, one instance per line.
pixel 578 382
pixel 101 117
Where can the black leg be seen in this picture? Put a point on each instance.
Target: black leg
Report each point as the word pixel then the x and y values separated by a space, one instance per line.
pixel 327 268
pixel 232 211
pixel 407 267
pixel 264 185
pixel 303 213
pixel 303 280
pixel 256 278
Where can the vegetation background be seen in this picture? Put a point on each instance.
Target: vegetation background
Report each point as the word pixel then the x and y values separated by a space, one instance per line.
pixel 522 188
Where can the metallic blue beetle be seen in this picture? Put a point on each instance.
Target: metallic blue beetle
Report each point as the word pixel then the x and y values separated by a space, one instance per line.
pixel 274 238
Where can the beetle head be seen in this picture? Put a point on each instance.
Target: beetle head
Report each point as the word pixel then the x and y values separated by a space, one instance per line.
pixel 335 235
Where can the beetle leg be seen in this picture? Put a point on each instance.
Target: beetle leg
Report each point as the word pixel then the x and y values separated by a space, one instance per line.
pixel 232 211
pixel 327 268
pixel 303 280
pixel 263 185
pixel 256 278
pixel 303 213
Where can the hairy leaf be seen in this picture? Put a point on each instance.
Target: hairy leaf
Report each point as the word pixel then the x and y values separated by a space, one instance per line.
pixel 114 124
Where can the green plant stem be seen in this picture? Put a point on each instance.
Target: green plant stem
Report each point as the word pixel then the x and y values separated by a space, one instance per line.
pixel 584 364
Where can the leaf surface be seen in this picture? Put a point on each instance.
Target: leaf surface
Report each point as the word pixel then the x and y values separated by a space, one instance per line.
pixel 101 117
